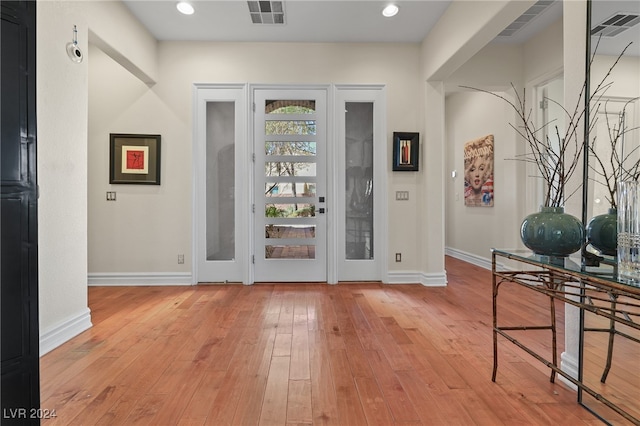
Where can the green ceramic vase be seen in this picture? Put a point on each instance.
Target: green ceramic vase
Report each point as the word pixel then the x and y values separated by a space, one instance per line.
pixel 602 233
pixel 552 232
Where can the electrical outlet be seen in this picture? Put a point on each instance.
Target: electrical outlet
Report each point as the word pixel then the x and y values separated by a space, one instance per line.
pixel 398 257
pixel 180 259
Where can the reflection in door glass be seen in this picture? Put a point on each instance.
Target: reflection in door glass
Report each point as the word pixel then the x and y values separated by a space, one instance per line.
pixel 288 106
pixel 290 174
pixel 290 252
pixel 290 231
pixel 292 189
pixel 286 168
pixel 290 148
pixel 290 210
pixel 289 127
pixel 220 180
pixel 359 180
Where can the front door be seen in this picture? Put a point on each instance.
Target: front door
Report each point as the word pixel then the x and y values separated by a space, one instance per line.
pixel 19 217
pixel 290 198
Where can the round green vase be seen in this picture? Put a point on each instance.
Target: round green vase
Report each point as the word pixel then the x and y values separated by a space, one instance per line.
pixel 552 232
pixel 602 233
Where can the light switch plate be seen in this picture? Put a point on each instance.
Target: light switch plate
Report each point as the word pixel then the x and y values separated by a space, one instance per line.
pixel 402 195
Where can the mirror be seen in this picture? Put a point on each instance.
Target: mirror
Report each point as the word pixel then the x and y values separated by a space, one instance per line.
pixel 613 25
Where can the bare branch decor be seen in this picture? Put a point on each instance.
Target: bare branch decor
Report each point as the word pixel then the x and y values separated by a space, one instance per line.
pixel 620 165
pixel 556 165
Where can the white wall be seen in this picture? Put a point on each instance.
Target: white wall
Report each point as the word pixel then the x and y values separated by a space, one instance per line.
pixel 117 32
pixel 447 48
pixel 472 231
pixel 145 229
pixel 62 112
pixel 624 76
pixel 543 54
pixel 62 175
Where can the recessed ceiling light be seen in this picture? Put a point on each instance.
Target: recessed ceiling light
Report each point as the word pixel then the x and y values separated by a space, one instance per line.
pixel 185 8
pixel 390 11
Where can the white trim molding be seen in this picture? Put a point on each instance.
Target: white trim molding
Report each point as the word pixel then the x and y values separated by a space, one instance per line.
pixel 568 364
pixel 415 277
pixel 65 331
pixel 140 279
pixel 474 259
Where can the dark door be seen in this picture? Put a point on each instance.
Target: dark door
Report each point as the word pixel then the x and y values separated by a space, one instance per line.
pixel 20 391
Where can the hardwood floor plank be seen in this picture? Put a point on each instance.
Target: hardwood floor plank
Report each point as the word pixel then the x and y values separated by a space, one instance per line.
pixel 203 397
pixel 315 354
pixel 256 373
pixel 422 399
pixel 397 399
pixel 348 402
pixel 274 407
pixel 373 402
pixel 282 346
pixel 223 408
pixel 324 401
pixel 299 368
pixel 179 382
pixel 145 409
pixel 299 408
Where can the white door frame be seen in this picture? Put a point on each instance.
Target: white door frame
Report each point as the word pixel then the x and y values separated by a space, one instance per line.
pixel 366 269
pixel 235 270
pixel 290 269
pixel 244 172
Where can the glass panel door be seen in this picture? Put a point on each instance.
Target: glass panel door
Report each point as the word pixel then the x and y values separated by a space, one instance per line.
pixel 359 180
pixel 220 181
pixel 290 200
pixel 220 203
pixel 360 172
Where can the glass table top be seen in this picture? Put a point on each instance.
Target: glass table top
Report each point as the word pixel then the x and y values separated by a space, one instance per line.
pixel 605 269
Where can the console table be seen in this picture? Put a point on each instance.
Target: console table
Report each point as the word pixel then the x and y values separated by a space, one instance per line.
pixel 595 290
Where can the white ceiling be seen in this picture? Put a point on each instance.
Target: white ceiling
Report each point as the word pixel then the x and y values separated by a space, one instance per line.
pixel 340 21
pixel 601 10
pixel 307 21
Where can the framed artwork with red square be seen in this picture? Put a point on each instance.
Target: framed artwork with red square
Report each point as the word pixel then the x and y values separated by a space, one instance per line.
pixel 134 159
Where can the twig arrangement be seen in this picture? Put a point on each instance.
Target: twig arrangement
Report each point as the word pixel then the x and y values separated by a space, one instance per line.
pixel 556 162
pixel 620 165
pixel 556 159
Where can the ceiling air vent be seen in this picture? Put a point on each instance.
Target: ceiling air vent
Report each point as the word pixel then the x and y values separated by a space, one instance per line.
pixel 526 17
pixel 266 12
pixel 616 24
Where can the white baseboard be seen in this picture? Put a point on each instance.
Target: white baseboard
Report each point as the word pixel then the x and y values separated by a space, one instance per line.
pixel 474 259
pixel 65 331
pixel 568 364
pixel 413 277
pixel 139 278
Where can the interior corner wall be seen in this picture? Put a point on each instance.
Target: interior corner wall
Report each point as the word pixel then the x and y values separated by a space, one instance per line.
pixel 117 31
pixel 62 113
pixel 471 232
pixel 138 236
pixel 62 174
pixel 495 67
pixel 544 53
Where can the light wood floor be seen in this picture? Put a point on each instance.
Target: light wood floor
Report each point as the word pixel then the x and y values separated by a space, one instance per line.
pixel 296 354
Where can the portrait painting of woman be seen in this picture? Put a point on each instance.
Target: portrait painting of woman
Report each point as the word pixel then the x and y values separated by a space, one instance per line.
pixel 478 172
